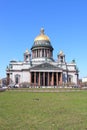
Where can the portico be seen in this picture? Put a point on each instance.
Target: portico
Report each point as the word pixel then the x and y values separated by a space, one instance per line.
pixel 46 75
pixel 46 78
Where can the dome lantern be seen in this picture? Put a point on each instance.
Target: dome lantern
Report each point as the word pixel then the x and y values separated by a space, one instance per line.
pixel 42 31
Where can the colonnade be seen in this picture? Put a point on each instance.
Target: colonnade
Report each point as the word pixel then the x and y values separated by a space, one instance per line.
pixel 42 53
pixel 46 78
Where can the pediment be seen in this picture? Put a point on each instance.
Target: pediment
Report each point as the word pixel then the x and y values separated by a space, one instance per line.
pixel 45 66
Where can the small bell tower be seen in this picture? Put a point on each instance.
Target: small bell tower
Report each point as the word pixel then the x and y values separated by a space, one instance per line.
pixel 27 56
pixel 61 57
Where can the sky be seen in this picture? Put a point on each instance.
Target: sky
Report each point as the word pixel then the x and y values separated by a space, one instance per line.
pixel 64 21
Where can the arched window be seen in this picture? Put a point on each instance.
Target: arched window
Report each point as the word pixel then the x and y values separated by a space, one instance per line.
pixel 70 78
pixel 17 79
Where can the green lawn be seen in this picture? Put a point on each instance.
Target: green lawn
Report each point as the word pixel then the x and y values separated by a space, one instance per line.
pixel 43 111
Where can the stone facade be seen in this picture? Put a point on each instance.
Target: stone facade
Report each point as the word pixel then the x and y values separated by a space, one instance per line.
pixel 40 69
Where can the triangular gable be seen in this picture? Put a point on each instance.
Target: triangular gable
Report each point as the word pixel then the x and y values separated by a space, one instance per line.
pixel 45 66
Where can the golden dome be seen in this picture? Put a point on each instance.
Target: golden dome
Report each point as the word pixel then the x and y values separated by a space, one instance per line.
pixel 42 36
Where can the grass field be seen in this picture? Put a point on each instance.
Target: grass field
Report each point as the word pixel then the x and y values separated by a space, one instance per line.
pixel 43 111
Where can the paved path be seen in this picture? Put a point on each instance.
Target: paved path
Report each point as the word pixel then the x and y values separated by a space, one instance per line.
pixel 46 90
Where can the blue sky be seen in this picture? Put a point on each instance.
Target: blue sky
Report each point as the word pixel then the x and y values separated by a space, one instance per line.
pixel 64 21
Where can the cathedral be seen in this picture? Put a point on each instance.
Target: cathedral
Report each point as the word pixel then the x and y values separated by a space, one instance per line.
pixel 39 67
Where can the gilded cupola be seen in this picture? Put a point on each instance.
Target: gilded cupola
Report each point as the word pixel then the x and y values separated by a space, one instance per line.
pixel 42 40
pixel 42 36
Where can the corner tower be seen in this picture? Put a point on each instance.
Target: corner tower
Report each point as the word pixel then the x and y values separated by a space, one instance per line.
pixel 27 56
pixel 42 49
pixel 61 57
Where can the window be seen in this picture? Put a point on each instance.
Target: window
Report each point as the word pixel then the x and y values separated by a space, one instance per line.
pixel 61 58
pixel 70 78
pixel 26 56
pixel 17 79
